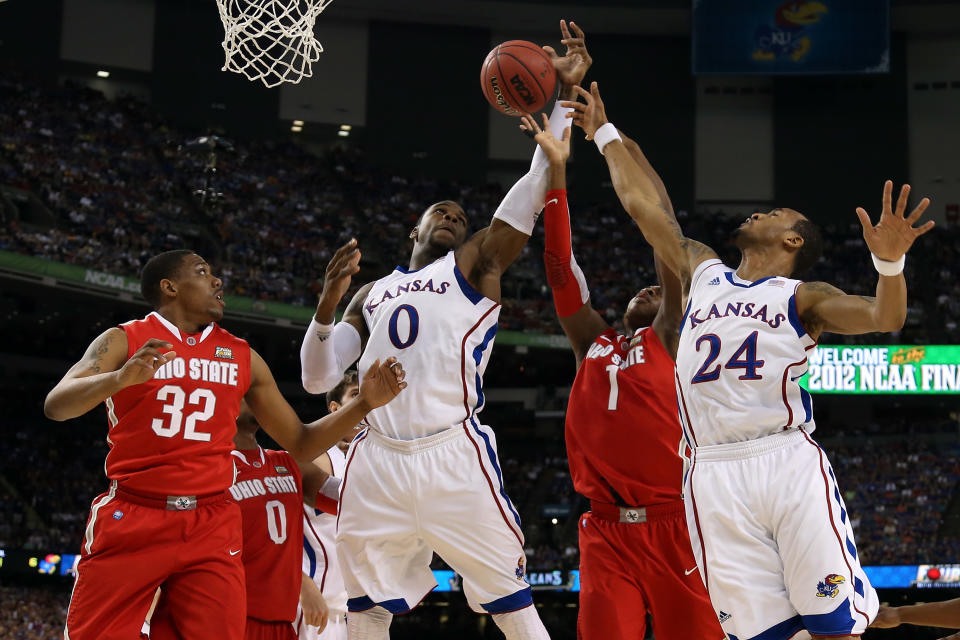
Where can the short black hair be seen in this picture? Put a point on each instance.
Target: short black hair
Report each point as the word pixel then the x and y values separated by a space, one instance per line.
pixel 812 247
pixel 336 394
pixel 159 267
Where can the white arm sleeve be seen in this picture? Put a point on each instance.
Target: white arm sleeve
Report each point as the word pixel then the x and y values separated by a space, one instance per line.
pixel 326 353
pixel 523 203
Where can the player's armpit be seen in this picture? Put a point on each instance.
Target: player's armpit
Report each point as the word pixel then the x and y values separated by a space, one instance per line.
pixel 486 255
pixel 582 328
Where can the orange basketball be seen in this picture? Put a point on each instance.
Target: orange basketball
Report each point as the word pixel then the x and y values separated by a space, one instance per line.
pixel 517 78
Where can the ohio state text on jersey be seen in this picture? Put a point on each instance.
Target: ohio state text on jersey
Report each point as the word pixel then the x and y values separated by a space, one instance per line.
pixel 174 433
pixel 269 491
pixel 622 429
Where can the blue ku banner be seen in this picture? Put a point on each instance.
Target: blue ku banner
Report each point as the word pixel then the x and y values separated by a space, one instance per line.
pixel 774 37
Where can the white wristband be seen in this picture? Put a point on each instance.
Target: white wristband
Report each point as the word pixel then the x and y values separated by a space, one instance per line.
pixel 887 267
pixel 321 331
pixel 605 135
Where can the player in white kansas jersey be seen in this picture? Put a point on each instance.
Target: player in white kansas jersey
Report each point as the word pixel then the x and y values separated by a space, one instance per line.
pixel 320 528
pixel 769 529
pixel 426 476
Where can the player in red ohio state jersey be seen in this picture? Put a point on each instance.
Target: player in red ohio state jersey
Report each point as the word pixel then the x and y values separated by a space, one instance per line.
pixel 623 435
pixel 270 487
pixel 172 385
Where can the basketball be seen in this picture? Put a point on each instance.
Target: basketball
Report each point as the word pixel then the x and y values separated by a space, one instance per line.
pixel 517 77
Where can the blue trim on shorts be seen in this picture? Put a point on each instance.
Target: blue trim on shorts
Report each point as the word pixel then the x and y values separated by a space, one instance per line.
pixel 838 622
pixel 782 631
pixel 496 467
pixel 364 603
pixel 311 556
pixel 858 586
pixel 512 602
pixel 360 604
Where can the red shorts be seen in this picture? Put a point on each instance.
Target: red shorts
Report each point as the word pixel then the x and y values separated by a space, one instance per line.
pixel 130 549
pixel 630 570
pixel 269 630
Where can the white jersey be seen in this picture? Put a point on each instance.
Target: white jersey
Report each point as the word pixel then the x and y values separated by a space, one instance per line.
pixel 441 329
pixel 742 352
pixel 319 546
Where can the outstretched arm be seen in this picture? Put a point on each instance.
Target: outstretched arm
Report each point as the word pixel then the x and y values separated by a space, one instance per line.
pixel 667 322
pixel 490 251
pixel 929 614
pixel 638 193
pixel 381 383
pixel 328 349
pixel 823 307
pixel 579 320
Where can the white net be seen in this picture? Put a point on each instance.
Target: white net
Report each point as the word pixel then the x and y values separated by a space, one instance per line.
pixel 271 40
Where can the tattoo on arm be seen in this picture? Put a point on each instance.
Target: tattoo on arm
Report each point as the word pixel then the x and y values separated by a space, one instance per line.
pixel 97 351
pixel 868 299
pixel 824 289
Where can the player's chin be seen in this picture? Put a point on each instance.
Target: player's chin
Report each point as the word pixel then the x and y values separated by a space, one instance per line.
pixel 215 313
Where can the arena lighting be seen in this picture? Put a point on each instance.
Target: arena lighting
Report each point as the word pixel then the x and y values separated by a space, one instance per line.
pixel 296 129
pixel 103 74
pixel 343 134
pixel 553 520
pixel 298 123
pixel 345 127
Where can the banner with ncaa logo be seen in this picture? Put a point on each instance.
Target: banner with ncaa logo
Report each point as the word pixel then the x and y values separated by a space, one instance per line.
pixel 792 37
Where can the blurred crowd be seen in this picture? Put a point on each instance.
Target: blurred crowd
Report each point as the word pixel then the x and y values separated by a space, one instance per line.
pixel 118 183
pixel 31 613
pixel 122 183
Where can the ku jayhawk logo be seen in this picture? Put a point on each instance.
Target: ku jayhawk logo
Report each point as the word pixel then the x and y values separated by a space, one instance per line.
pixel 788 36
pixel 827 588
pixel 521 569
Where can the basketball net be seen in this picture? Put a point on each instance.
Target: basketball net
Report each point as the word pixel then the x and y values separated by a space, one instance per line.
pixel 271 40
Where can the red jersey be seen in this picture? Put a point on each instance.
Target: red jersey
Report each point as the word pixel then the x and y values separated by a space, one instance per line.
pixel 269 491
pixel 173 435
pixel 622 429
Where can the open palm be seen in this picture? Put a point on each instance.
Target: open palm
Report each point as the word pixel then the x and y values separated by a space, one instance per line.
pixel 894 234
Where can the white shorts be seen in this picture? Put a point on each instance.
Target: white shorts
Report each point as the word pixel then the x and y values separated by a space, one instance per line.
pixel 773 540
pixel 401 500
pixel 336 628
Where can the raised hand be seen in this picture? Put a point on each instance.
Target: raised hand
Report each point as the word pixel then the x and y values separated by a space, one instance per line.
pixel 144 363
pixel 557 151
pixel 589 115
pixel 382 382
pixel 572 67
pixel 894 234
pixel 340 270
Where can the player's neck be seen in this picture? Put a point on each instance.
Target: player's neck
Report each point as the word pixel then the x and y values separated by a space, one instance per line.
pixel 244 441
pixel 179 319
pixel 425 254
pixel 763 262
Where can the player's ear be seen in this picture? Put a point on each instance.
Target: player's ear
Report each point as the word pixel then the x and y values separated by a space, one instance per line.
pixel 333 406
pixel 168 287
pixel 414 232
pixel 792 241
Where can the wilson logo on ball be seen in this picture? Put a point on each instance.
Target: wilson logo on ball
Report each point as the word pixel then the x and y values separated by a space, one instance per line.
pixel 525 94
pixel 518 77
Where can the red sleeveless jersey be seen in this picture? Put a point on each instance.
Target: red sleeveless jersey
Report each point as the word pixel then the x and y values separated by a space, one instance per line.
pixel 622 429
pixel 173 435
pixel 269 491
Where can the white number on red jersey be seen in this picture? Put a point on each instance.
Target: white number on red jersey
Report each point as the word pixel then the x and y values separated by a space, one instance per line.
pixel 175 407
pixel 276 521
